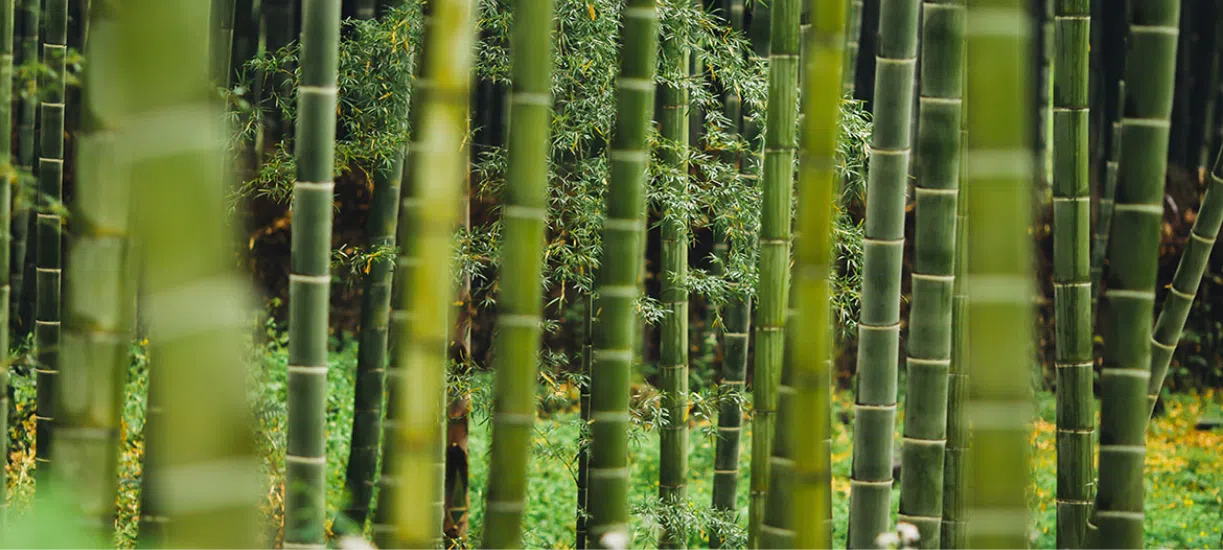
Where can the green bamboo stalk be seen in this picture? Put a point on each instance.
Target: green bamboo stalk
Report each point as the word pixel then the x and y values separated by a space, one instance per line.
pixel 100 298
pixel 371 353
pixel 998 177
pixel 778 172
pixel 616 282
pixel 30 15
pixel 518 321
pixel 673 280
pixel 777 529
pixel 220 40
pixel 1189 271
pixel 421 348
pixel 811 506
pixel 49 227
pixel 1072 271
pixel 310 276
pixel 933 278
pixel 583 481
pixel 1213 60
pixel 173 131
pixel 368 408
pixel 407 261
pixel 853 39
pixel 879 326
pixel 8 178
pixel 1133 256
pixel 736 319
pixel 953 533
pixel 1105 206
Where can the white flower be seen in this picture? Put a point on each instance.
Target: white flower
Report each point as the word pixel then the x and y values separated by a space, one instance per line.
pixel 350 542
pixel 615 540
pixel 908 533
pixel 887 539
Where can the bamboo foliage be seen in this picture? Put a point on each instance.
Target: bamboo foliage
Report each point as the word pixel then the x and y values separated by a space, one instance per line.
pixel 420 353
pixel 1128 297
pixel 933 278
pixel 879 325
pixel 1072 271
pixel 998 177
pixel 673 334
pixel 48 252
pixel 195 304
pixel 777 172
pixel 616 282
pixel 521 297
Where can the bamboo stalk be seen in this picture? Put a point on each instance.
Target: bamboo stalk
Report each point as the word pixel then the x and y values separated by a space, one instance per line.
pixel 933 277
pixel 49 253
pixel 1072 271
pixel 8 177
pixel 879 326
pixel 1000 289
pixel 518 321
pixel 777 172
pixel 29 15
pixel 1128 297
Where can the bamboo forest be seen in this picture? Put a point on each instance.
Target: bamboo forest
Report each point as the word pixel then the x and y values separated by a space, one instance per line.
pixel 454 274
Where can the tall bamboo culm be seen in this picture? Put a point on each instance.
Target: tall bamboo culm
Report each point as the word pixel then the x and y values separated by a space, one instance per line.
pixel 953 534
pixel 736 319
pixel 936 192
pixel 368 410
pixel 310 275
pixel 518 318
pixel 30 14
pixel 774 263
pixel 998 178
pixel 8 177
pixel 1189 271
pixel 100 297
pixel 48 252
pixel 390 479
pixel 1128 299
pixel 673 333
pixel 197 306
pixel 853 39
pixel 810 429
pixel 421 347
pixel 1108 194
pixel 1072 270
pixel 879 326
pixel 777 529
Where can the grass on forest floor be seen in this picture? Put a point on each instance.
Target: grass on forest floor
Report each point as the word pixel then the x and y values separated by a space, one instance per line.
pixel 1184 475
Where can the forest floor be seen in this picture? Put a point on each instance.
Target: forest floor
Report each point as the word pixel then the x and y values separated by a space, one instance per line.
pixel 1184 475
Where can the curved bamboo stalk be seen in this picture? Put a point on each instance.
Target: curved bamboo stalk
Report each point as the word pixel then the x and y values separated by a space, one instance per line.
pixel 1189 271
pixel 879 326
pixel 933 279
pixel 616 283
pixel 518 320
pixel 777 171
pixel 1072 271
pixel 1128 297
pixel 49 252
pixel 197 304
pixel 421 348
pixel 998 177
pixel 100 297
